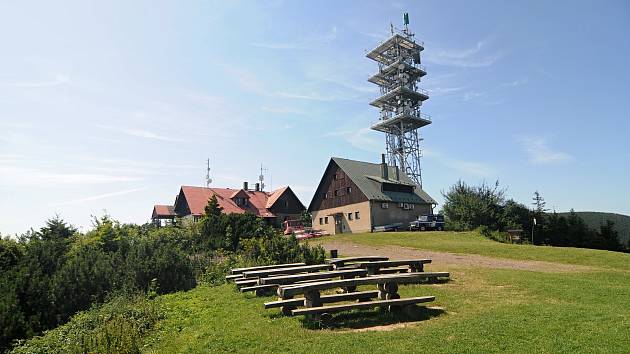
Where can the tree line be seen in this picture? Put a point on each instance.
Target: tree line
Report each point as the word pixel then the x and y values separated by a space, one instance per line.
pixel 486 207
pixel 48 275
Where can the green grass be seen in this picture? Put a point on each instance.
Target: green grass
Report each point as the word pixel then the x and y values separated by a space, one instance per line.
pixel 484 310
pixel 481 310
pixel 473 243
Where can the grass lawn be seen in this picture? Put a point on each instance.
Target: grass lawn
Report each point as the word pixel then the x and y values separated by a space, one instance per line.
pixel 473 243
pixel 483 310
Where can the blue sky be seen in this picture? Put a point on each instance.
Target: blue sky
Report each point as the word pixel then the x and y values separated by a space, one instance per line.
pixel 110 106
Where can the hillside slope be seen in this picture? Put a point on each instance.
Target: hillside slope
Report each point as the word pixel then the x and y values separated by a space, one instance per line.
pixel 594 219
pixel 487 308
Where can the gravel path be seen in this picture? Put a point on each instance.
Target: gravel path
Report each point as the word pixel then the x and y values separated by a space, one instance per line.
pixel 396 252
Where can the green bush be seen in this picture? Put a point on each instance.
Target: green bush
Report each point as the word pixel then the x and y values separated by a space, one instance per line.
pixel 115 327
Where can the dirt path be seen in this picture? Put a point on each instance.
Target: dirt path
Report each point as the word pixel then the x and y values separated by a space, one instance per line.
pixel 353 249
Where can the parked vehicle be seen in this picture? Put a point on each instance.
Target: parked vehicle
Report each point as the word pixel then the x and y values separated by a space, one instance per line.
pixel 428 222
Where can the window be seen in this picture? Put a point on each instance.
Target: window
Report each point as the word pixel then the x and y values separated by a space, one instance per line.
pixel 349 190
pixel 384 205
pixel 286 203
pixel 335 177
pixel 349 216
pixel 393 187
pixel 326 195
pixel 321 221
pixel 326 220
pixel 356 215
pixel 336 192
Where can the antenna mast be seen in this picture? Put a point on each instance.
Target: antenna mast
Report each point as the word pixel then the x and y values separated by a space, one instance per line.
pixel 261 177
pixel 398 76
pixel 208 179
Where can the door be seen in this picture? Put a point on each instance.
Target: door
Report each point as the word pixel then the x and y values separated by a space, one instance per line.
pixel 338 223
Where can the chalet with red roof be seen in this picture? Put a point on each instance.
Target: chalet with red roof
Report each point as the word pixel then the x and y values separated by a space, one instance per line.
pixel 275 207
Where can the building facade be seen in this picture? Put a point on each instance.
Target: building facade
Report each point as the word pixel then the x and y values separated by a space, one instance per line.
pixel 355 196
pixel 275 207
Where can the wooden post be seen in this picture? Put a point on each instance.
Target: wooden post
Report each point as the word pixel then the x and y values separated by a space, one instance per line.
pixel 333 253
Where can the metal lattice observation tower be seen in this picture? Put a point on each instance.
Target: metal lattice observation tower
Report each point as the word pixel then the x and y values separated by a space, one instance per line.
pixel 398 76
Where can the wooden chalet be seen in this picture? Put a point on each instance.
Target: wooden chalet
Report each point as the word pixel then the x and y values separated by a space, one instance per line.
pixel 355 196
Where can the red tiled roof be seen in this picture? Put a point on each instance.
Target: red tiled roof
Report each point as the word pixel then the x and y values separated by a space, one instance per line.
pixel 197 198
pixel 163 210
pixel 274 196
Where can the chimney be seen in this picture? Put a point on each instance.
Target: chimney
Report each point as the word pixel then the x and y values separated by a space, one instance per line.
pixel 257 187
pixel 384 168
pixel 397 173
pixel 245 185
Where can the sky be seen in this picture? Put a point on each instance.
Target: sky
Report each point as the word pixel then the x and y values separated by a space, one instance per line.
pixel 108 107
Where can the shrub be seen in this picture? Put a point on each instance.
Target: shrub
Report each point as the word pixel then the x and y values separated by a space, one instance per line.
pixel 115 327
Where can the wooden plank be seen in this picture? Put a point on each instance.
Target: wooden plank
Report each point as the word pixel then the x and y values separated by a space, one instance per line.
pixel 292 270
pixel 360 295
pixel 272 266
pixel 362 305
pixel 341 261
pixel 393 270
pixel 248 282
pixel 285 291
pixel 258 287
pixel 233 276
pixel 289 279
pixel 394 263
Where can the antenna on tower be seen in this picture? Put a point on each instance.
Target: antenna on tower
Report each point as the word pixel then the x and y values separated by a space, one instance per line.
pixel 261 177
pixel 208 179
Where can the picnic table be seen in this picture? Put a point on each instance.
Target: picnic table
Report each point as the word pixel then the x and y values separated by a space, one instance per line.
pixel 387 286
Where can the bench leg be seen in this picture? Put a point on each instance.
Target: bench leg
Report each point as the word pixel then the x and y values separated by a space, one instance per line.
pixel 286 310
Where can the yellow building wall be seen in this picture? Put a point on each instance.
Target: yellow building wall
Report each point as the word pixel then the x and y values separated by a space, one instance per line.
pixel 363 224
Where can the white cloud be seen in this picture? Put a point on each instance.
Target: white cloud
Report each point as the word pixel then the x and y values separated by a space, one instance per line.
pixel 98 197
pixel 282 110
pixel 141 133
pixel 19 176
pixel 305 43
pixel 59 79
pixel 465 58
pixel 539 152
pixel 363 138
pixel 470 168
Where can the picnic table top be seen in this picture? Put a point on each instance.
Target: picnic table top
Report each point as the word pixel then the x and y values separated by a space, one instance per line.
pixel 288 279
pixel 271 266
pixel 393 263
pixel 356 259
pixel 291 290
pixel 290 270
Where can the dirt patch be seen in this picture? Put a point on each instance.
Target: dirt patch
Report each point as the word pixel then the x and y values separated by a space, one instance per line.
pixel 347 249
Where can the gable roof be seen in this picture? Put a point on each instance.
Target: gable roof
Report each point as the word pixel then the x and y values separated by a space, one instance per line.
pixel 367 177
pixel 275 195
pixel 163 210
pixel 197 199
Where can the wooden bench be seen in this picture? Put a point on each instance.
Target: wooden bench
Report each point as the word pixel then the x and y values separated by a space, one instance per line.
pixel 287 265
pixel 341 262
pixel 370 304
pixel 287 291
pixel 259 285
pixel 291 270
pixel 415 265
pixel 359 295
pixel 289 279
pixel 387 290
